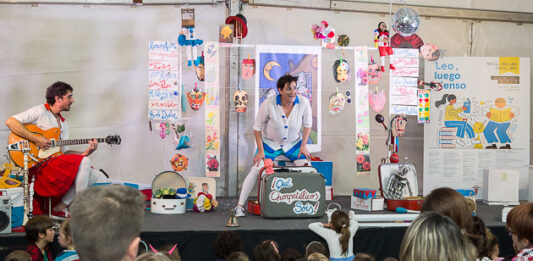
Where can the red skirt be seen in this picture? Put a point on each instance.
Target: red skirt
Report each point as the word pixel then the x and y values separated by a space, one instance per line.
pixel 54 177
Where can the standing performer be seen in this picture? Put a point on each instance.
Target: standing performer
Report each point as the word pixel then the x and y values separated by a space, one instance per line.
pixel 277 131
pixel 62 175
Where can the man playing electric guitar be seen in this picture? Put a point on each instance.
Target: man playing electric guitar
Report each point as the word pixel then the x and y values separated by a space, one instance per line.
pixel 62 176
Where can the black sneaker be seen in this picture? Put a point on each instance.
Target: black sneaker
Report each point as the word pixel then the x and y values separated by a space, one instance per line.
pixel 493 146
pixel 506 147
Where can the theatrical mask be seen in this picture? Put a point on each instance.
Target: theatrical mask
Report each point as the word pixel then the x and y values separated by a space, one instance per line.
pixel 430 52
pixel 248 68
pixel 374 73
pixel 341 71
pixel 336 103
pixel 200 72
pixel 196 98
pixel 179 162
pixel 377 100
pixel 398 125
pixel 240 97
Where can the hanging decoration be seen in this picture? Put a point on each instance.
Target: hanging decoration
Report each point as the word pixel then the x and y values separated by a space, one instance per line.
pixel 405 21
pixel 423 106
pixel 163 81
pixel 200 69
pixel 336 102
pixel 381 41
pixel 188 38
pixel 374 72
pixel 248 68
pixel 324 33
pixel 341 70
pixel 240 26
pixel 430 52
pixel 344 40
pixel 362 122
pixel 377 100
pixel 179 162
pixel 240 98
pixel 196 97
pixel 212 118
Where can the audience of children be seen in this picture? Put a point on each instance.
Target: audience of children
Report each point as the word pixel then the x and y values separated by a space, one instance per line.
pixel 40 233
pixel 445 230
pixel 433 236
pixel 226 243
pixel 338 234
pixel 66 241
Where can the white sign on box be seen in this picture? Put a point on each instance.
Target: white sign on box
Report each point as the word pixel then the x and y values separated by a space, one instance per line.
pixel 369 204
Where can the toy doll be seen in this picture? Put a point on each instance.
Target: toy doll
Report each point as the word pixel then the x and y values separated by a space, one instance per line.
pixel 381 41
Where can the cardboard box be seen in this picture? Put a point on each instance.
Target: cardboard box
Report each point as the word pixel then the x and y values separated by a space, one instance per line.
pixel 500 186
pixel 325 168
pixel 369 204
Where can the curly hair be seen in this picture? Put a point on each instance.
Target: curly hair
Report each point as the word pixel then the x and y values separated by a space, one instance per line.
pixel 57 89
pixel 226 243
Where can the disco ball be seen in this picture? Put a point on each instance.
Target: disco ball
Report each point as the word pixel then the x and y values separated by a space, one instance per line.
pixel 405 21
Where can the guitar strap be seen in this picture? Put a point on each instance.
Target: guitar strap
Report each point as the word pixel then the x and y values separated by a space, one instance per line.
pixel 50 110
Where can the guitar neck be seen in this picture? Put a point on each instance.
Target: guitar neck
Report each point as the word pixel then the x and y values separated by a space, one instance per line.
pixel 56 143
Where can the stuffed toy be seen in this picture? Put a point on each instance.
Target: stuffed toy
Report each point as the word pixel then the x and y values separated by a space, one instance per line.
pixel 204 202
pixel 381 41
pixel 188 38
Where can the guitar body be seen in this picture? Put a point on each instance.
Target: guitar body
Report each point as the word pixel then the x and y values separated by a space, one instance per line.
pixel 18 156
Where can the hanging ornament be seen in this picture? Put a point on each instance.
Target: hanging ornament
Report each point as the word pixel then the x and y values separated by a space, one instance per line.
pixel 179 162
pixel 377 100
pixel 405 21
pixel 374 72
pixel 196 98
pixel 341 70
pixel 248 68
pixel 336 102
pixel 240 98
pixel 430 52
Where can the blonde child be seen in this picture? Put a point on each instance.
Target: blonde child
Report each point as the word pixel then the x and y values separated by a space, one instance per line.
pixel 66 241
pixel 338 233
pixel 40 233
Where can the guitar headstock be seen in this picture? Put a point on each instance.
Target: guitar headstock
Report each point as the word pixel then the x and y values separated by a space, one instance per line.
pixel 112 139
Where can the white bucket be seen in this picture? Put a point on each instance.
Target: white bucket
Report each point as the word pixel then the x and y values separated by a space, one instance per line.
pixel 332 207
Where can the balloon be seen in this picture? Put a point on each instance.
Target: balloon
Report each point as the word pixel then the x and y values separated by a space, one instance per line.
pixel 405 21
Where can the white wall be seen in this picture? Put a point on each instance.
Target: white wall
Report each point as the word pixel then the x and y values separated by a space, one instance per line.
pixel 102 52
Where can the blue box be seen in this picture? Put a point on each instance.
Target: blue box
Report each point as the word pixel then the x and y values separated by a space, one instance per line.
pixel 325 168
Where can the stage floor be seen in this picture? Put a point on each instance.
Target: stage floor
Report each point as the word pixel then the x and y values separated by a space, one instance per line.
pixel 195 233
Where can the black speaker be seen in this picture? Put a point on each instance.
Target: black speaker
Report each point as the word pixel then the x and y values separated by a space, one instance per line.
pixel 5 215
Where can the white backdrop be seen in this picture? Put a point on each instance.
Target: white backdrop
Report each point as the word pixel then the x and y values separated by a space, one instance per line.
pixel 102 52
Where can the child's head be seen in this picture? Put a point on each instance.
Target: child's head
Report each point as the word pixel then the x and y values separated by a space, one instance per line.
pixel 152 256
pixel 172 251
pixel 450 203
pixel 520 225
pixel 267 251
pixel 291 254
pixel 40 228
pixel 363 257
pixel 65 236
pixel 340 222
pixel 316 247
pixel 238 256
pixel 317 257
pixel 18 255
pixel 226 243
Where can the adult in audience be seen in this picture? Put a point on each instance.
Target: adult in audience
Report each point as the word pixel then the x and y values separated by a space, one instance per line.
pixel 520 226
pixel 106 222
pixel 433 236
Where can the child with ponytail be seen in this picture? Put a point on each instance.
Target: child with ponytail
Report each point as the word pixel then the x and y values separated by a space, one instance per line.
pixel 338 233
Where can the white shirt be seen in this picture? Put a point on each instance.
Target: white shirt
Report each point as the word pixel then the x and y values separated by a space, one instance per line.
pixel 280 131
pixel 44 119
pixel 332 238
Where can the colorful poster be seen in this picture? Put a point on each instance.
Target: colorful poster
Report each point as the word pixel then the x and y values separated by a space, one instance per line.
pixel 212 109
pixel 300 61
pixel 362 117
pixel 480 120
pixel 163 80
pixel 403 82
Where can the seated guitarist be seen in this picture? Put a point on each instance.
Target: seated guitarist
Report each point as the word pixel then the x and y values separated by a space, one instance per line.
pixel 62 176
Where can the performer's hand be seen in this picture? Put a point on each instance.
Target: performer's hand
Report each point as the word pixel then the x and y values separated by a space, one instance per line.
pixel 93 145
pixel 259 157
pixel 303 150
pixel 43 143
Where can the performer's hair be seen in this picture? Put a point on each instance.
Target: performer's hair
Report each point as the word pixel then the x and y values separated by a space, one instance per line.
pixel 433 236
pixel 285 79
pixel 445 97
pixel 57 89
pixel 341 224
pixel 37 225
pixel 520 221
pixel 450 203
pixel 106 220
